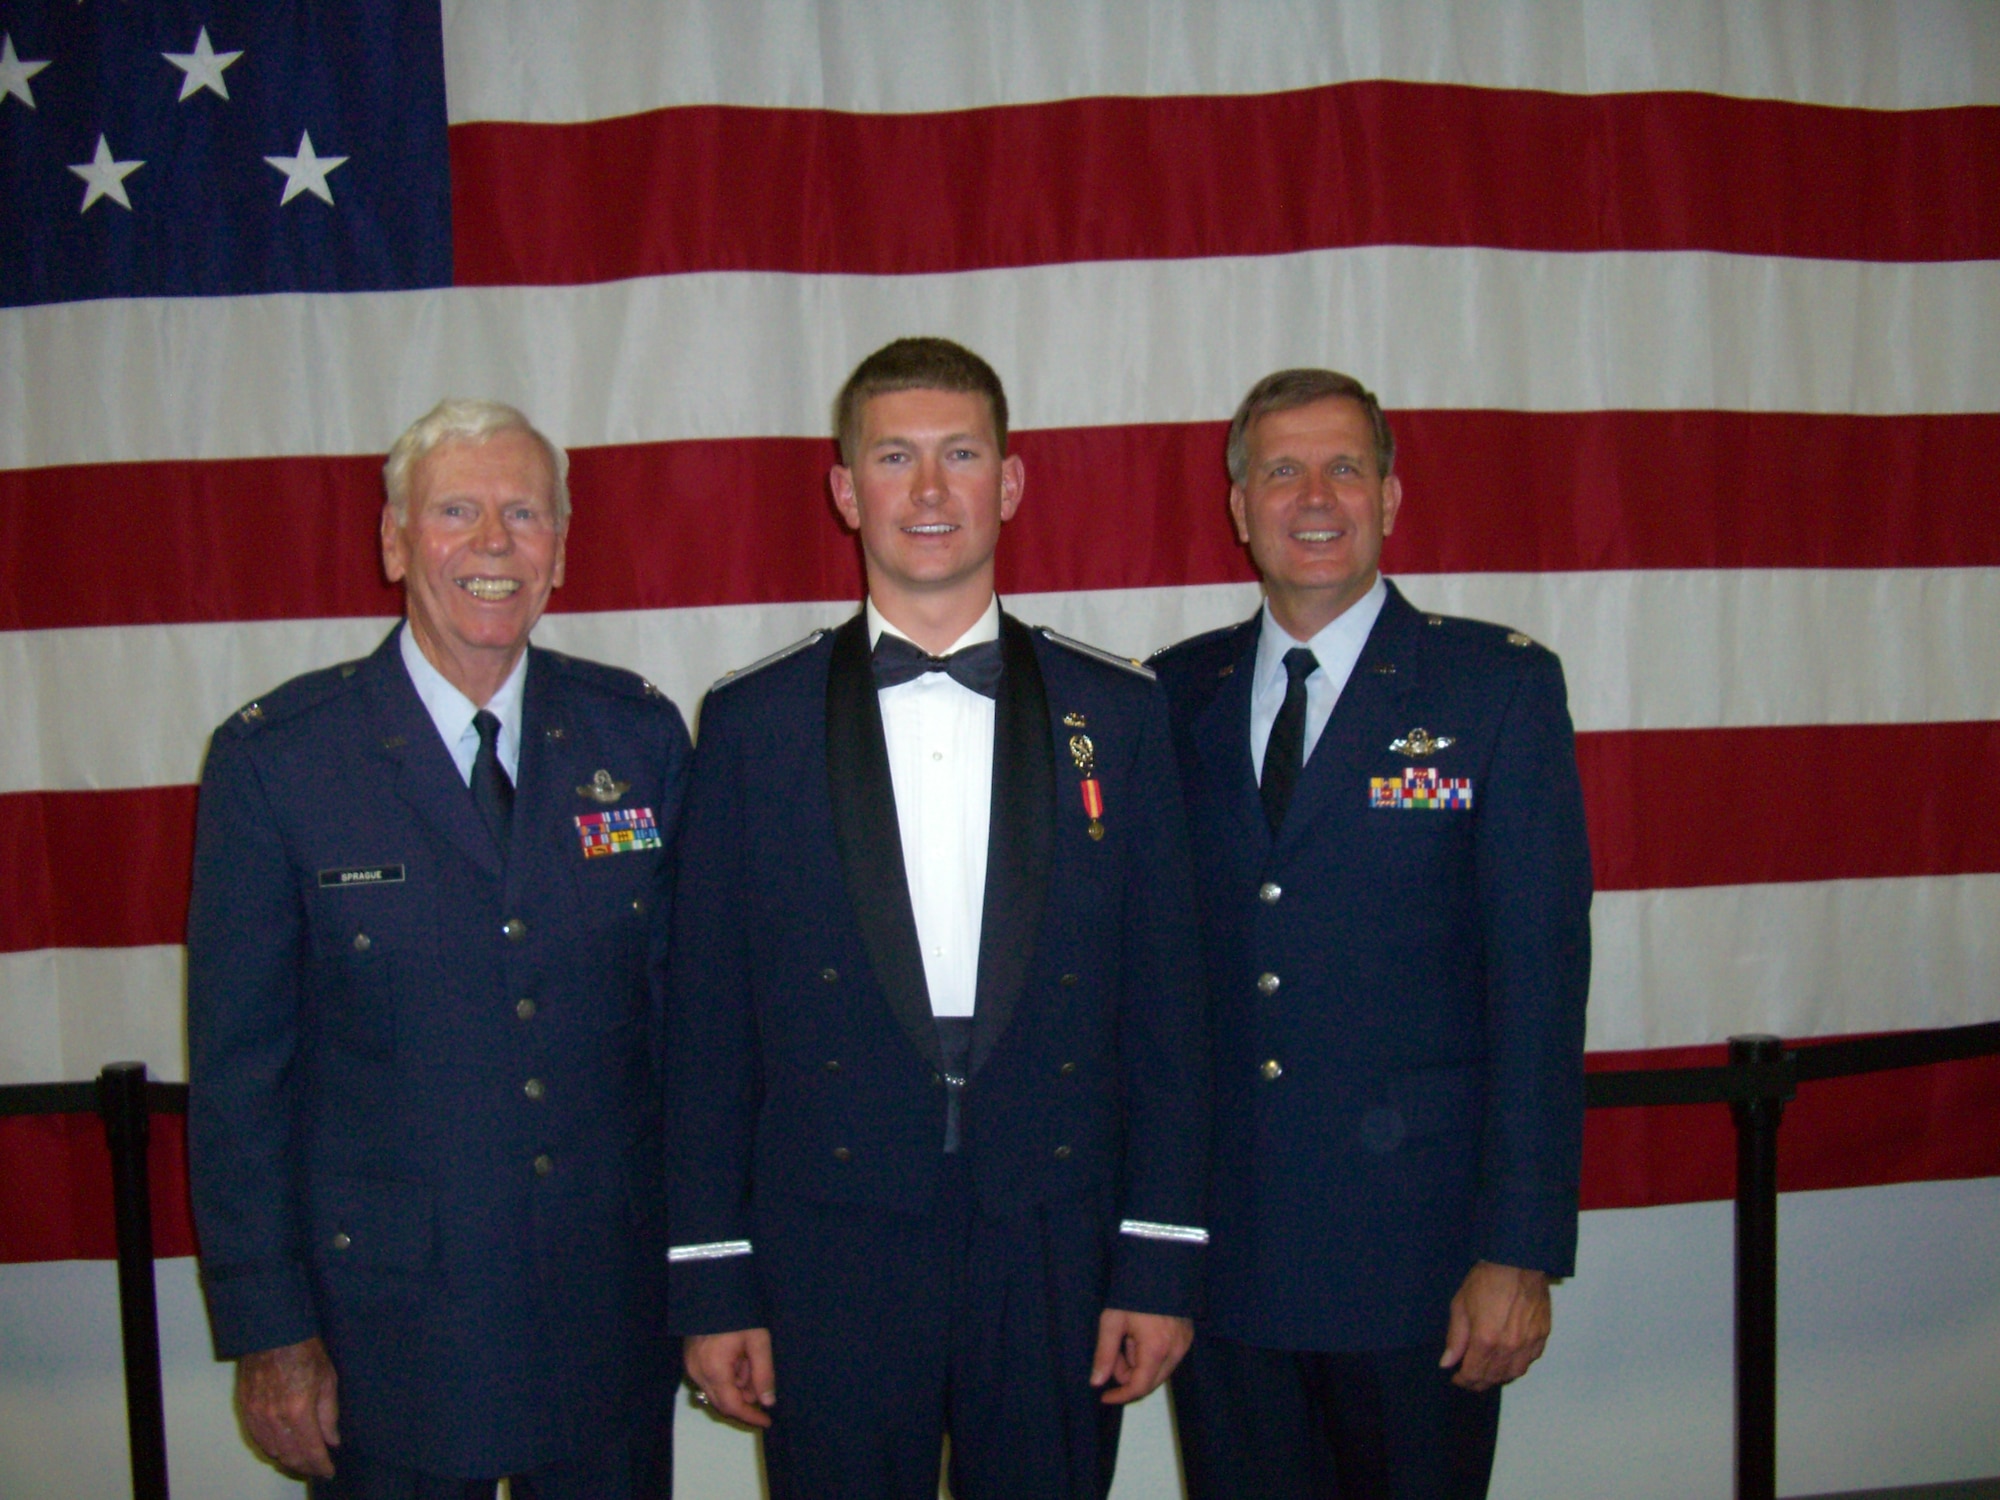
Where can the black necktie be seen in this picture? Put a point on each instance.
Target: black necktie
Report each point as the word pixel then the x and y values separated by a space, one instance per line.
pixel 1285 751
pixel 492 792
pixel 899 661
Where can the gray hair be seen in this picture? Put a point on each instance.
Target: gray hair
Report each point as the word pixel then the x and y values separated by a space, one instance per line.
pixel 1289 389
pixel 467 421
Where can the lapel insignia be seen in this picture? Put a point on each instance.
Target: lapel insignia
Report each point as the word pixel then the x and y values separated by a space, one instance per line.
pixel 1420 743
pixel 1073 720
pixel 1227 670
pixel 394 742
pixel 1384 669
pixel 555 732
pixel 1421 789
pixel 624 830
pixel 603 789
pixel 1085 755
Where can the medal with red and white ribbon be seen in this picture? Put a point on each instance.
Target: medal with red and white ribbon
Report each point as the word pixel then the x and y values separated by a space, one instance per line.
pixel 1085 755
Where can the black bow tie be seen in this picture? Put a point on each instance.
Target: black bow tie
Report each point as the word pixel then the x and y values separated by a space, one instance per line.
pixel 977 667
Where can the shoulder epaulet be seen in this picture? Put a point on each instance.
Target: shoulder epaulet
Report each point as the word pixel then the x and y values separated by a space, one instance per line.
pixel 292 698
pixel 620 680
pixel 1484 632
pixel 1196 642
pixel 1130 664
pixel 739 673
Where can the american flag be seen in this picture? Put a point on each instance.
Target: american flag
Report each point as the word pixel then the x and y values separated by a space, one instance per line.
pixel 1687 315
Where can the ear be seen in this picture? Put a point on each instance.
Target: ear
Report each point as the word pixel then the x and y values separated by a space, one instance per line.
pixel 1392 501
pixel 562 544
pixel 1239 513
pixel 841 478
pixel 395 556
pixel 1013 481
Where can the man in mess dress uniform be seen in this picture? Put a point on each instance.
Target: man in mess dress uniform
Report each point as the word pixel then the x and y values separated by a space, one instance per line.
pixel 1395 891
pixel 937 1028
pixel 426 965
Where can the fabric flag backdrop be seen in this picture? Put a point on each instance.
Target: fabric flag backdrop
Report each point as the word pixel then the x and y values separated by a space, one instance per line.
pixel 1687 315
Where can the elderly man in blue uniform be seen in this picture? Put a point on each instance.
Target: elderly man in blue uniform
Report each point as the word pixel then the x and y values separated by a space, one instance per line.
pixel 937 1037
pixel 426 963
pixel 1395 893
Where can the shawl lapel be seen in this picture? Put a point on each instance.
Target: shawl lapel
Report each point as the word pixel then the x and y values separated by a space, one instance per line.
pixel 1020 838
pixel 863 798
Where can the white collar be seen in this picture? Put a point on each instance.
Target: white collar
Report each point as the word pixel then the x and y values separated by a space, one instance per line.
pixel 451 711
pixel 985 628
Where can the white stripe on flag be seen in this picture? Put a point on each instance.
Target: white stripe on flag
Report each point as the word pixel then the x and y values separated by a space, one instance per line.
pixel 1646 650
pixel 1080 345
pixel 528 60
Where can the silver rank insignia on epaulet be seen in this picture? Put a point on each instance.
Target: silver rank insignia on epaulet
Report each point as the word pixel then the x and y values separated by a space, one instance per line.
pixel 1518 638
pixel 1130 664
pixel 250 713
pixel 773 659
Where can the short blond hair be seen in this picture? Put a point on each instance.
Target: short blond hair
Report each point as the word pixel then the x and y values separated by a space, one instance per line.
pixel 458 418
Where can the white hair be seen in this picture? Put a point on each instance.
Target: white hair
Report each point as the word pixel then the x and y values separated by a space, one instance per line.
pixel 468 421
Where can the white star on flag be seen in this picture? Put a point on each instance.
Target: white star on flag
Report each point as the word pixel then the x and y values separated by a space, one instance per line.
pixel 203 67
pixel 14 74
pixel 105 176
pixel 305 173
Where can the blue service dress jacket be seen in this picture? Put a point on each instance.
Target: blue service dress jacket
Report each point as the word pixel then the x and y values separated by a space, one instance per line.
pixel 425 1105
pixel 805 1058
pixel 1397 979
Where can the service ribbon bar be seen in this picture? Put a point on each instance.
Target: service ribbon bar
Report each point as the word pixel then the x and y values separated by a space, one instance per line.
pixel 622 830
pixel 1420 789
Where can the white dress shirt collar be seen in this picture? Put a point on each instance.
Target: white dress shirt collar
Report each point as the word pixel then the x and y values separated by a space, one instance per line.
pixel 451 711
pixel 985 628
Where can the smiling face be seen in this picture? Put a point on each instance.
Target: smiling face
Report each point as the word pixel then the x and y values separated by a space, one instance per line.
pixel 477 555
pixel 928 492
pixel 1313 509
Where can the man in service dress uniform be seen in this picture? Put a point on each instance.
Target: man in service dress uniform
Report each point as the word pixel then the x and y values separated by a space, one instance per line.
pixel 1395 891
pixel 937 1035
pixel 426 958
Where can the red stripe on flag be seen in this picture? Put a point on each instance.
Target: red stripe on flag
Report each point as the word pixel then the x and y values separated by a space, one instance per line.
pixel 1700 807
pixel 1904 1125
pixel 749 521
pixel 95 869
pixel 1667 809
pixel 55 1188
pixel 1374 163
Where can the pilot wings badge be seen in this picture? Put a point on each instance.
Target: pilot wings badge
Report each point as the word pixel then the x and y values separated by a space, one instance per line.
pixel 603 790
pixel 1420 742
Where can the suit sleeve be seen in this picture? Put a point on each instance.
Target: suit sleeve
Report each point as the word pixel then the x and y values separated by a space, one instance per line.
pixel 1163 1049
pixel 713 1066
pixel 1534 884
pixel 246 957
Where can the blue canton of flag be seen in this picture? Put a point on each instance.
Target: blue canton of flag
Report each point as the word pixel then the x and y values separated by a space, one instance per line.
pixel 173 149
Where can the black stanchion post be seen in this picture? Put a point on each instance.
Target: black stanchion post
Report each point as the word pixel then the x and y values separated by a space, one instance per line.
pixel 121 1100
pixel 1757 1119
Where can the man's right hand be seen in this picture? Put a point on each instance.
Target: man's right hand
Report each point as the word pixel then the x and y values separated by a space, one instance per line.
pixel 733 1370
pixel 288 1401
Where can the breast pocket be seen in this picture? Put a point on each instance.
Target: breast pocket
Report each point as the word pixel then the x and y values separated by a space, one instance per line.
pixel 371 939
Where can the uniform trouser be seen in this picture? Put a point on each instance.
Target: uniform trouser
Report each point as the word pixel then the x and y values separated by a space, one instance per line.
pixel 892 1331
pixel 1284 1424
pixel 641 1468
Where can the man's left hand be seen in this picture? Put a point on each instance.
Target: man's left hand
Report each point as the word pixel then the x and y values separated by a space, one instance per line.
pixel 1499 1325
pixel 1136 1351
